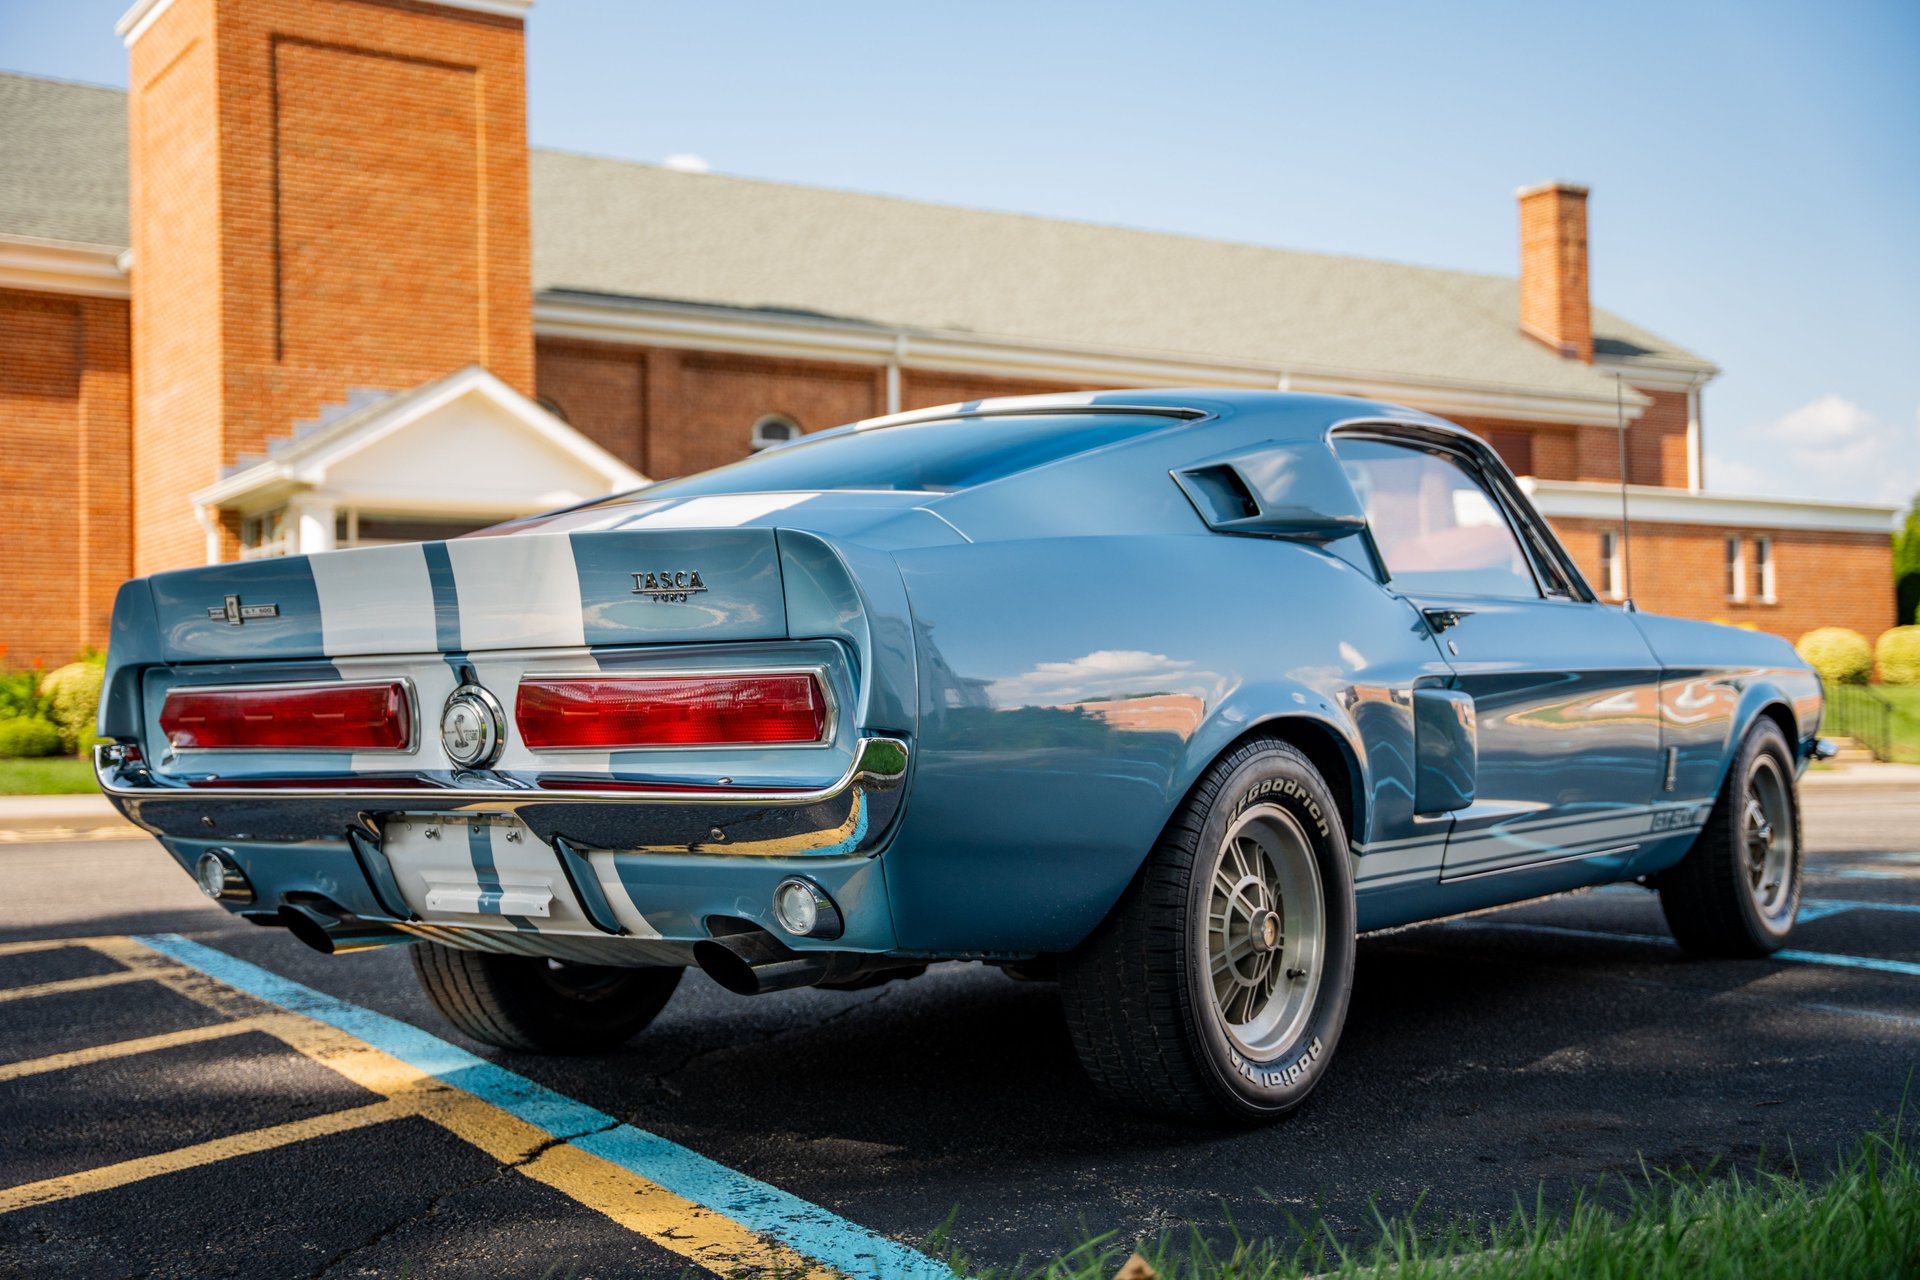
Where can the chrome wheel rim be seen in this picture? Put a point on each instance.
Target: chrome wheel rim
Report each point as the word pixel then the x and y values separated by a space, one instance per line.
pixel 1265 938
pixel 1767 838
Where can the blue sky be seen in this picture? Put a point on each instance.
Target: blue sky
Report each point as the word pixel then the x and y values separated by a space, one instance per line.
pixel 1755 166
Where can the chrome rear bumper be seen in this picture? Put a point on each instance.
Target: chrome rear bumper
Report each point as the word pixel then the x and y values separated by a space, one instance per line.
pixel 847 817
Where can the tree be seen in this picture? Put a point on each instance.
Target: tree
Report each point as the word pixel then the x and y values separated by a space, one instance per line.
pixel 1906 566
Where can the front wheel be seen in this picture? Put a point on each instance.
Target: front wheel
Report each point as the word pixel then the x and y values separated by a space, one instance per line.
pixel 1217 988
pixel 1738 889
pixel 547 1006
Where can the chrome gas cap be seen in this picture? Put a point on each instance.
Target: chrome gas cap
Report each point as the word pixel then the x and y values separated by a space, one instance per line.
pixel 472 727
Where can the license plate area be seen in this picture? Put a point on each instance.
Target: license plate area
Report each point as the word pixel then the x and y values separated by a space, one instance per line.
pixel 480 868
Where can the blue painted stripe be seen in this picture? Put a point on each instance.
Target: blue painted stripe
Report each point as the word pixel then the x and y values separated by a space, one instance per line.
pixel 1905 967
pixel 805 1227
pixel 480 849
pixel 1821 908
pixel 446 596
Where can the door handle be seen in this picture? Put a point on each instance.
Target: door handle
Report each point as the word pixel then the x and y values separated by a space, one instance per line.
pixel 1442 619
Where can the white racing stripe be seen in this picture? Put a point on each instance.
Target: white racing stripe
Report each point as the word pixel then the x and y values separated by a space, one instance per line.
pixel 517 592
pixel 375 600
pixel 722 511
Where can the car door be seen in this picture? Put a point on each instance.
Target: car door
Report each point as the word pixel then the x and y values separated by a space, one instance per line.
pixel 1564 689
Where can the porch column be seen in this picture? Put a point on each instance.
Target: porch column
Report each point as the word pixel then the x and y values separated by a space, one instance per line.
pixel 312 516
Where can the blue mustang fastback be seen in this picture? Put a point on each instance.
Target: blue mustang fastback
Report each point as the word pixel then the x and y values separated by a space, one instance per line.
pixel 1165 696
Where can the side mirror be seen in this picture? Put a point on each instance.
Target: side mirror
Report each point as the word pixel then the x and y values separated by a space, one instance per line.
pixel 1292 490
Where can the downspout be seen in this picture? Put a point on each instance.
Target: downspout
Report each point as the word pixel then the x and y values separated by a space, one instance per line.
pixel 1695 480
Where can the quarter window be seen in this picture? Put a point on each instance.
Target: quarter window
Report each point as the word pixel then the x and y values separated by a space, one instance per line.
pixel 1438 528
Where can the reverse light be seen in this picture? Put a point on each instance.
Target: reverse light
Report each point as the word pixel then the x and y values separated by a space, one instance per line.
pixel 304 717
pixel 589 713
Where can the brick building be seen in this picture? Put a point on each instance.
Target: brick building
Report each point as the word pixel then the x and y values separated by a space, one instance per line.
pixel 306 286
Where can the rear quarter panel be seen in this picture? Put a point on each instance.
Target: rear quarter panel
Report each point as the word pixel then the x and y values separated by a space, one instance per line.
pixel 1715 682
pixel 1074 688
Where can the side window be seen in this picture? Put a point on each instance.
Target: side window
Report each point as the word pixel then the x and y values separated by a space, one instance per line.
pixel 1437 527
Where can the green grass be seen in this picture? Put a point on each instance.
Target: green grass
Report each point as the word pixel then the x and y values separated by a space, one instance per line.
pixel 52 776
pixel 1863 1220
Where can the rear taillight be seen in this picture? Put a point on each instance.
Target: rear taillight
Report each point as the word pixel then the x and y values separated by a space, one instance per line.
pixel 315 717
pixel 605 712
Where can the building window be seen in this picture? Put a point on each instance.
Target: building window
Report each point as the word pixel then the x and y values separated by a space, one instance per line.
pixel 1613 575
pixel 355 528
pixel 1736 568
pixel 772 430
pixel 264 535
pixel 1763 576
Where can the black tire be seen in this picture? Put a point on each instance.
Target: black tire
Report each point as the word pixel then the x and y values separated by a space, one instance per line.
pixel 525 1002
pixel 1141 994
pixel 1736 892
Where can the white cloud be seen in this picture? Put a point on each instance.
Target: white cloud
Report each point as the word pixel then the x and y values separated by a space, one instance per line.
pixel 1827 448
pixel 687 162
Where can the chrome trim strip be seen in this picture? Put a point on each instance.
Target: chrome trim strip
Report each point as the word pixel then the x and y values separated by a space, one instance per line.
pixel 1537 862
pixel 849 817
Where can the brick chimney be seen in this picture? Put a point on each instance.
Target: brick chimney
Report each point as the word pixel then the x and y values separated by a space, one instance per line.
pixel 1554 305
pixel 326 194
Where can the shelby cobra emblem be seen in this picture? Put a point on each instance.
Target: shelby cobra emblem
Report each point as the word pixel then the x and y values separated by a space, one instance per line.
pixel 470 727
pixel 236 613
pixel 675 586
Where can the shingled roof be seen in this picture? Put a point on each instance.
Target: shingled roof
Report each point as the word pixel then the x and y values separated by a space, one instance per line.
pixel 615 228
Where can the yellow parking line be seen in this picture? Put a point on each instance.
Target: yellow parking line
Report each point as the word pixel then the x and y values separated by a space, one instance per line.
pixel 201 1153
pixel 65 985
pixel 703 1237
pixel 40 944
pixel 131 1048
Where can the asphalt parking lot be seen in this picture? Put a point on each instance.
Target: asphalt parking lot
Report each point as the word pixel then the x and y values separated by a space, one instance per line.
pixel 184 1095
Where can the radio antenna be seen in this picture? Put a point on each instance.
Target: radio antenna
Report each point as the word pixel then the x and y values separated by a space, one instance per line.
pixel 1626 521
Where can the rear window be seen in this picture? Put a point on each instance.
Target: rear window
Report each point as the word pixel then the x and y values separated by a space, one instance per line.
pixel 938 456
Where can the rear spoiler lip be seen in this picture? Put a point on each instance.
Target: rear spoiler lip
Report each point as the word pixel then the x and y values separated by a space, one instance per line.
pixel 780 821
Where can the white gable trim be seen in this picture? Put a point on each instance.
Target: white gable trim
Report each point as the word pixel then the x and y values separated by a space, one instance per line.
pixel 61 266
pixel 307 462
pixel 1587 500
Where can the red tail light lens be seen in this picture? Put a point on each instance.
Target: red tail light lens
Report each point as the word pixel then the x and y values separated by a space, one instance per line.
pixel 319 717
pixel 604 712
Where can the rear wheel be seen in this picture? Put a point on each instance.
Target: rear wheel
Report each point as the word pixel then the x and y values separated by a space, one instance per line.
pixel 547 1006
pixel 1218 987
pixel 1738 889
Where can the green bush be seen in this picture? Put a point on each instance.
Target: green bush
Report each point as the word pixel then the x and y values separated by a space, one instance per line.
pixel 19 694
pixel 1839 655
pixel 72 697
pixel 27 736
pixel 1897 654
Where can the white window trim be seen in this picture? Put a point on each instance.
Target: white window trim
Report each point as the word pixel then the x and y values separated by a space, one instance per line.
pixel 1613 568
pixel 781 420
pixel 1768 569
pixel 1736 568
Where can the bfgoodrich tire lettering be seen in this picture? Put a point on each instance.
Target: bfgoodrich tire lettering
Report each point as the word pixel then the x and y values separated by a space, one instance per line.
pixel 526 1002
pixel 1216 988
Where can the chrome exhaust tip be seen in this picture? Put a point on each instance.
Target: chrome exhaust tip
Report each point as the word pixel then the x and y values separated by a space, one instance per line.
pixel 337 935
pixel 756 962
